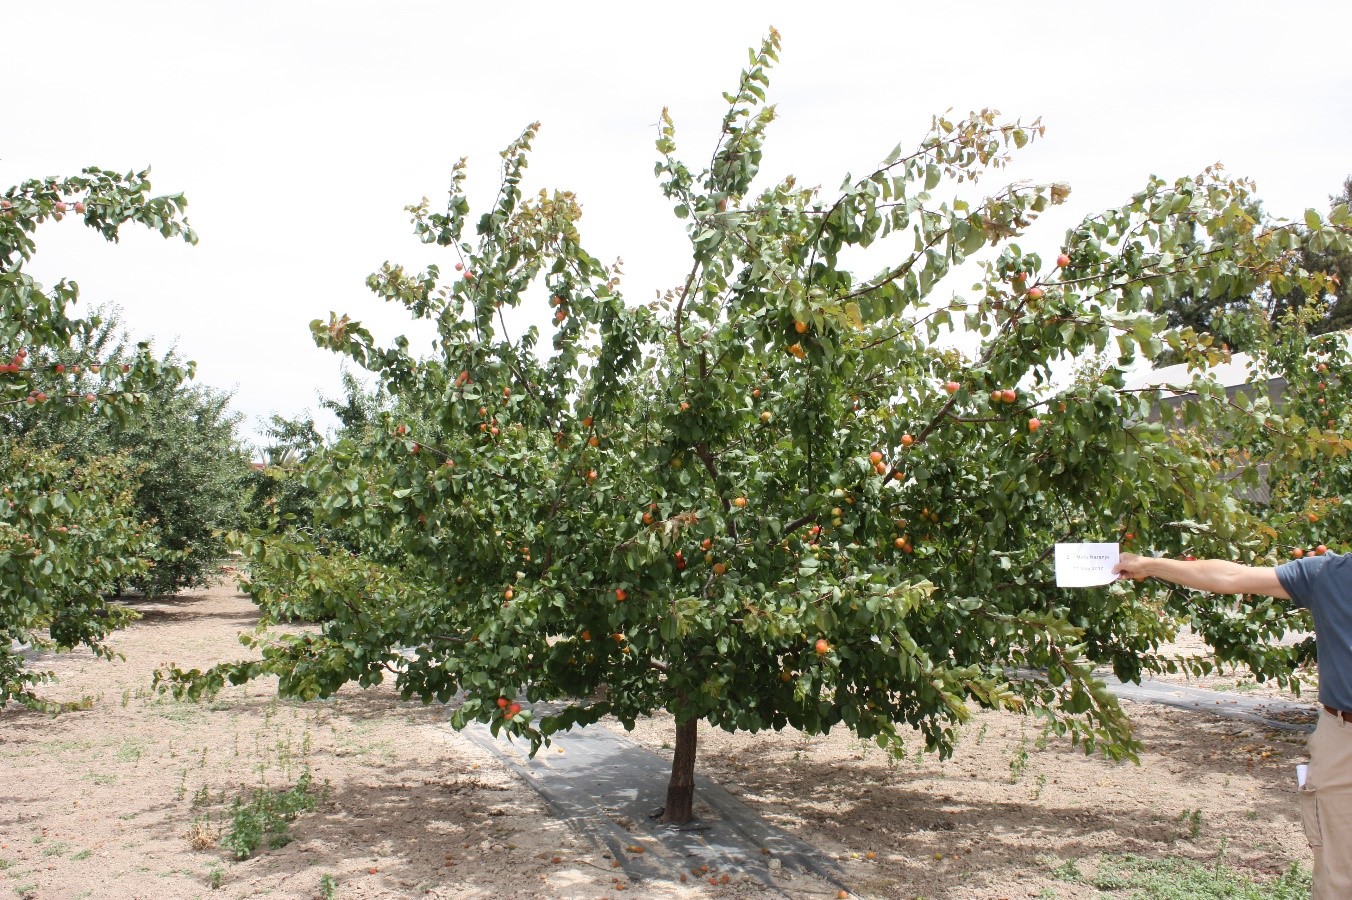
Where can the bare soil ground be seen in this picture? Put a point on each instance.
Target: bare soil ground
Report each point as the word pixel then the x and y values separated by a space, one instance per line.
pixel 1238 679
pixel 131 797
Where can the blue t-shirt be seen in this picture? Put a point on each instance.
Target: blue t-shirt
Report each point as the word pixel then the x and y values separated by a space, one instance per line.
pixel 1323 585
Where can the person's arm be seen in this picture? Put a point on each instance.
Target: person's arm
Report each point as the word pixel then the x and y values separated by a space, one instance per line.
pixel 1218 576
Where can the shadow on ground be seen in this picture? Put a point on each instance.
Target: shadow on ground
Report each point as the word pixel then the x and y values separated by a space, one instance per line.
pixel 183 608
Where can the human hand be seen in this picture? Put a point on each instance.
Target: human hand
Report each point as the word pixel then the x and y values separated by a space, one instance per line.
pixel 1129 565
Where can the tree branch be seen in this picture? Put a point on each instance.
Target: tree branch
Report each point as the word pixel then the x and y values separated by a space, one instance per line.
pixel 680 304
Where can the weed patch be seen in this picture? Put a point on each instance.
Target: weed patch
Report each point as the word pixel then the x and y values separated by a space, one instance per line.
pixel 266 816
pixel 1182 879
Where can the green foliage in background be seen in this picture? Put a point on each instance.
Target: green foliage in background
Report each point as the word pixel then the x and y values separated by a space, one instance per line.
pixel 68 528
pixel 189 464
pixel 1230 311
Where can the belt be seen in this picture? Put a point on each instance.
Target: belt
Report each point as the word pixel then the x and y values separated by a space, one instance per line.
pixel 1345 716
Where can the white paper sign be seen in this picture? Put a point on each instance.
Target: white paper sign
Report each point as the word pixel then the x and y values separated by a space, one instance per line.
pixel 1085 565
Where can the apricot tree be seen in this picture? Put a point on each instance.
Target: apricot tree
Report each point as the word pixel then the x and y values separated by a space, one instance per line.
pixel 1288 455
pixel 793 491
pixel 68 532
pixel 190 468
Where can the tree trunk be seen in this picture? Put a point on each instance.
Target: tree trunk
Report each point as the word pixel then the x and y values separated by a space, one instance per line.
pixel 681 788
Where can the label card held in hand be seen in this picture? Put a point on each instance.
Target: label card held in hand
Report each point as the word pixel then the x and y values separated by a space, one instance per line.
pixel 1085 565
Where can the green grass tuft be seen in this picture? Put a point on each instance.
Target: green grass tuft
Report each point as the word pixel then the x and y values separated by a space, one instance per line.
pixel 1182 879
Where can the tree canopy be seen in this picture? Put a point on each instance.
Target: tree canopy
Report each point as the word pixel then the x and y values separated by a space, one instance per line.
pixel 68 530
pixel 187 462
pixel 1233 313
pixel 807 487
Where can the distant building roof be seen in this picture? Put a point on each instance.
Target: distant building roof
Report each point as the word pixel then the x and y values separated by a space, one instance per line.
pixel 1239 370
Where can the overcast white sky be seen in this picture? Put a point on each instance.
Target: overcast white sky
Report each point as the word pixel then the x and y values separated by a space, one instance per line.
pixel 300 130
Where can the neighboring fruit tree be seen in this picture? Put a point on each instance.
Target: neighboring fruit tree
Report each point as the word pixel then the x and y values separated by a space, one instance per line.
pixel 787 493
pixel 68 530
pixel 190 465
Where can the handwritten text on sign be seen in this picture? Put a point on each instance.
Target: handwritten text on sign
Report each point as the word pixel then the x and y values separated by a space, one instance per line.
pixel 1085 565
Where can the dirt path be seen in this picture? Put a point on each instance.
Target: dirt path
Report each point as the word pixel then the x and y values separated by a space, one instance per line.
pixel 131 797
